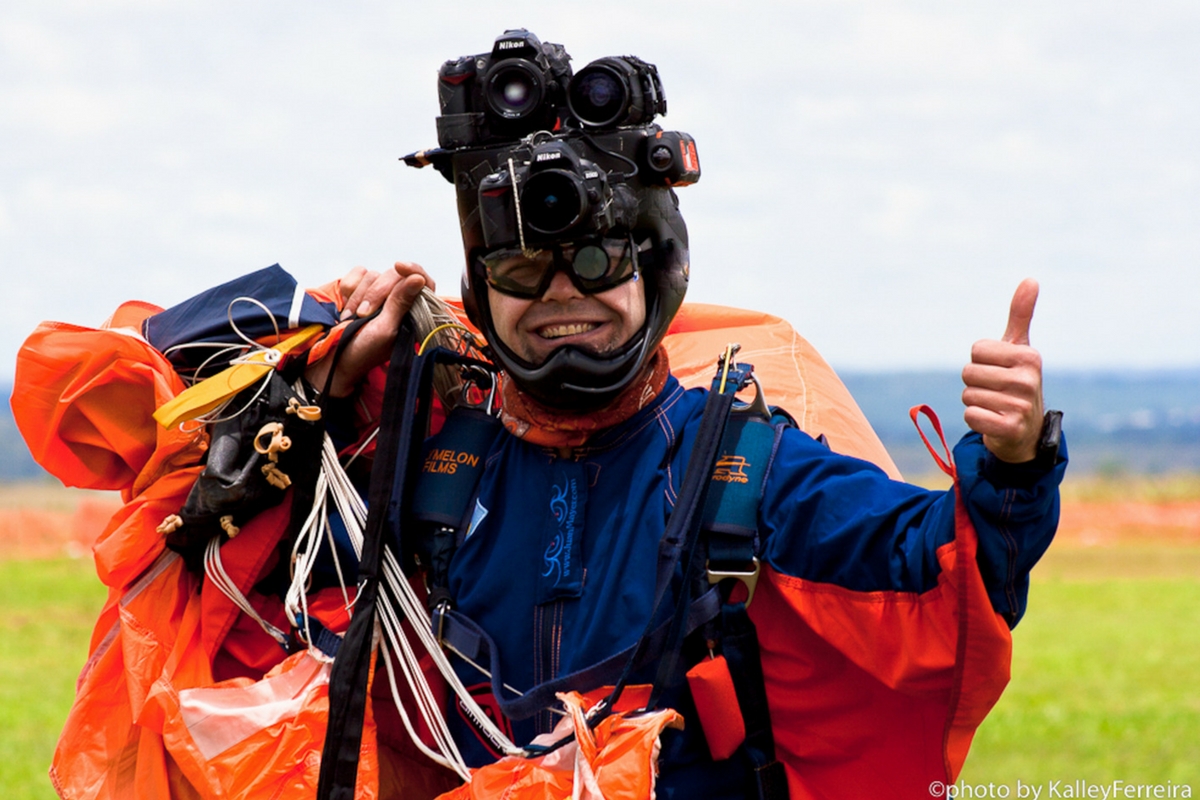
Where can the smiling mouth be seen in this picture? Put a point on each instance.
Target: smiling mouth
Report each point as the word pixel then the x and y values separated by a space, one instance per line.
pixel 573 329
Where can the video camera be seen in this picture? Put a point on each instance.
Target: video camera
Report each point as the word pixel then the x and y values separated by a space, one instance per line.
pixel 540 154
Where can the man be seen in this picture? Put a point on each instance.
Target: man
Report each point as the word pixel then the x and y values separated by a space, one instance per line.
pixel 882 610
pixel 575 318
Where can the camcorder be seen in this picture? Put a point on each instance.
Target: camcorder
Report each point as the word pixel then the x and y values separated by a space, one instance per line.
pixel 540 154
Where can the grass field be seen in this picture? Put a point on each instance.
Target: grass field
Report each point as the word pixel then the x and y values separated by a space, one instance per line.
pixel 1105 684
pixel 47 609
pixel 1106 672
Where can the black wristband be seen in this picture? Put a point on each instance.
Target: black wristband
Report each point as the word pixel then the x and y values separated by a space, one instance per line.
pixel 1051 438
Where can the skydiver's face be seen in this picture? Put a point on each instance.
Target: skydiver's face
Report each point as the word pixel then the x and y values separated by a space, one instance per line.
pixel 564 315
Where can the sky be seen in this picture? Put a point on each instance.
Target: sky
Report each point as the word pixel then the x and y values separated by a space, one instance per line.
pixel 880 174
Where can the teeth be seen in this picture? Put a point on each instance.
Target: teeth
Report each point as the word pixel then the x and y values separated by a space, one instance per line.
pixel 558 331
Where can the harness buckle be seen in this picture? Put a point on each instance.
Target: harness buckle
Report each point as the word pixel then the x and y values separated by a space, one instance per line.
pixel 439 613
pixel 748 577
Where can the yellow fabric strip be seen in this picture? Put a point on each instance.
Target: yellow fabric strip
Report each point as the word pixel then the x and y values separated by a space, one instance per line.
pixel 211 392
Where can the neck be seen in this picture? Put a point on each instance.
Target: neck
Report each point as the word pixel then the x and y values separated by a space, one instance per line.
pixel 563 430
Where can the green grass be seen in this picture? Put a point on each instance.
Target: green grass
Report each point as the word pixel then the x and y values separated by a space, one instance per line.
pixel 1106 672
pixel 47 609
pixel 1105 686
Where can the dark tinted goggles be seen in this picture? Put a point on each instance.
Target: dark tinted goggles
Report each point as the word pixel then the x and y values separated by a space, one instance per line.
pixel 594 265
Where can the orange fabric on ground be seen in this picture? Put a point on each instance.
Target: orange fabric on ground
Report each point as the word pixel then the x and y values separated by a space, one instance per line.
pixel 615 761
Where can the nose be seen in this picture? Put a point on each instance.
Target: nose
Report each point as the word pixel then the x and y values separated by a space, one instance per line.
pixel 561 289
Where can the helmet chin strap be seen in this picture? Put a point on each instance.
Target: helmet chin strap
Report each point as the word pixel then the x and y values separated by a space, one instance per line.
pixel 573 379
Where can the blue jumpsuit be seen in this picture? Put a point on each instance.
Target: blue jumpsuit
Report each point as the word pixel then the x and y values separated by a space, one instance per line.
pixel 558 564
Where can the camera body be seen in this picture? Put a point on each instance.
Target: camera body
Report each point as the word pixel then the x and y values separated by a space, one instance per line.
pixel 550 192
pixel 500 96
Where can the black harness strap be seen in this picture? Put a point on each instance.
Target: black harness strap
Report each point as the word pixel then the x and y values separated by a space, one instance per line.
pixel 407 402
pixel 348 681
pixel 682 536
pixel 739 645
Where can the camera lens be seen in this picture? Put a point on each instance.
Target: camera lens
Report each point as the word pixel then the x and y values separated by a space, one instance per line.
pixel 552 201
pixel 513 89
pixel 598 95
pixel 661 157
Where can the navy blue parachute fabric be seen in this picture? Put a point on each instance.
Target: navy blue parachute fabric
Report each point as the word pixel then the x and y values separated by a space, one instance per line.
pixel 206 317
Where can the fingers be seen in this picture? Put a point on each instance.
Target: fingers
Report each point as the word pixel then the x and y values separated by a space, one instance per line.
pixel 350 282
pixel 1020 312
pixel 399 300
pixel 989 352
pixel 355 287
pixel 1003 412
pixel 1003 399
pixel 370 290
pixel 406 268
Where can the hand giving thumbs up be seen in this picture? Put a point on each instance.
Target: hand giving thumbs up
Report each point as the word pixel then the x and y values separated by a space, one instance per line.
pixel 1003 393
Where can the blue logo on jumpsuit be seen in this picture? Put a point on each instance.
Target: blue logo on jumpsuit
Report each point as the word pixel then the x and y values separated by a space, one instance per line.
pixel 564 505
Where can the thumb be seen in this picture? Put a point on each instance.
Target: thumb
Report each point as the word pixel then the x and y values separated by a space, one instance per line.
pixel 1020 313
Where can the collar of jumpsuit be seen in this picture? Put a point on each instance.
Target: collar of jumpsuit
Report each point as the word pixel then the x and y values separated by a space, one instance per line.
pixel 565 315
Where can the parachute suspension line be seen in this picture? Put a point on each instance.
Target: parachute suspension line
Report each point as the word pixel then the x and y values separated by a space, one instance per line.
pixel 220 578
pixel 233 325
pixel 222 349
pixel 242 351
pixel 366 442
pixel 346 499
pixel 304 556
pixel 447 753
pixel 333 483
pixel 214 416
pixel 414 610
pixel 469 337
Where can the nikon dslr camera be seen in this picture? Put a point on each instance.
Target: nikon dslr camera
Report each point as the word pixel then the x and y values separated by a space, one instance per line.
pixel 501 96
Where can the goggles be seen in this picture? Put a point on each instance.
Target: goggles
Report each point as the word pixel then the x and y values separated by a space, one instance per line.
pixel 593 265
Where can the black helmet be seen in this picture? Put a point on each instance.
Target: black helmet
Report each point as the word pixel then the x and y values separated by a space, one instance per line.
pixel 617 169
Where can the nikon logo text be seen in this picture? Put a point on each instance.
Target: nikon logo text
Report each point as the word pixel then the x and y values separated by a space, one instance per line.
pixel 512 44
pixel 547 156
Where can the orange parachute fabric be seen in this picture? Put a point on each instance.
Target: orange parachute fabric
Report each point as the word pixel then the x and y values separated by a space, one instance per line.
pixel 615 761
pixel 166 643
pixel 793 374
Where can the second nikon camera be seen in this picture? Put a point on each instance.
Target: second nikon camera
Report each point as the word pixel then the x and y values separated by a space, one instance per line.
pixel 525 85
